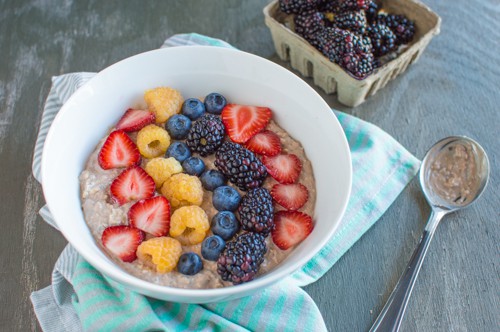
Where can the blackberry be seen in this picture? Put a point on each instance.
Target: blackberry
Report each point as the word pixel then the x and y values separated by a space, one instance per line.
pixel 359 65
pixel 206 135
pixel 298 6
pixel 346 5
pixel 354 21
pixel 241 259
pixel 240 166
pixel 372 12
pixel 403 28
pixel 382 38
pixel 334 43
pixel 256 211
pixel 309 24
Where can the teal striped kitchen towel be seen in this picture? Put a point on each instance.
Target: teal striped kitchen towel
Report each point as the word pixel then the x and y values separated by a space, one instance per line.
pixel 81 299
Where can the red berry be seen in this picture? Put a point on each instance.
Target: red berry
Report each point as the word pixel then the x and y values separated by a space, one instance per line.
pixel 242 121
pixel 290 196
pixel 284 168
pixel 151 215
pixel 122 241
pixel 290 228
pixel 266 143
pixel 118 151
pixel 132 184
pixel 134 120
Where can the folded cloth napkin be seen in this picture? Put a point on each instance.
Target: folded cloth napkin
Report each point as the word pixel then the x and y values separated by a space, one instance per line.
pixel 80 298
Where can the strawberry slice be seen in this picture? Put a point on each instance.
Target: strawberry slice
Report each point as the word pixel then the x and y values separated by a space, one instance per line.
pixel 290 228
pixel 242 121
pixel 134 120
pixel 151 215
pixel 266 143
pixel 118 151
pixel 132 184
pixel 122 241
pixel 290 196
pixel 284 168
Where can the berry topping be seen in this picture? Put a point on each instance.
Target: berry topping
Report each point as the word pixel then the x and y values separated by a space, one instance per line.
pixel 211 247
pixel 178 126
pixel 160 169
pixel 160 253
pixel 179 151
pixel 242 122
pixel 152 141
pixel 132 184
pixel 134 120
pixel 290 228
pixel 266 143
pixel 290 196
pixel 189 264
pixel 193 166
pixel 256 211
pixel 226 198
pixel 206 135
pixel 182 189
pixel 298 6
pixel 241 259
pixel 382 38
pixel 122 241
pixel 284 168
pixel 164 102
pixel 225 225
pixel 212 179
pixel 189 224
pixel 193 108
pixel 214 103
pixel 240 165
pixel 118 151
pixel 151 215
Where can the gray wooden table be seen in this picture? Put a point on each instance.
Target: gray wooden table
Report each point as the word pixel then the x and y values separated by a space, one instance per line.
pixel 453 89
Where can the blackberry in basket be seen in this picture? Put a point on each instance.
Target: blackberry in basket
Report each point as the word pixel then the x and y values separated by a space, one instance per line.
pixel 240 165
pixel 354 21
pixel 382 38
pixel 359 64
pixel 298 6
pixel 403 28
pixel 241 259
pixel 309 24
pixel 206 135
pixel 334 42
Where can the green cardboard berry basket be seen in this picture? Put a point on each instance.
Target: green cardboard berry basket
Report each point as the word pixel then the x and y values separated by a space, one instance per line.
pixel 331 77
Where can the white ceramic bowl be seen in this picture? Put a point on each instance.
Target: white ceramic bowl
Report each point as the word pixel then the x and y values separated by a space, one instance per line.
pixel 195 71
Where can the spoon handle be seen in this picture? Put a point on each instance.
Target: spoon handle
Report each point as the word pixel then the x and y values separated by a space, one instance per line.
pixel 392 314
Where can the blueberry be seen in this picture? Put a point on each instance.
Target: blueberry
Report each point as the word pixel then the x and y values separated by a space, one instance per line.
pixel 178 150
pixel 214 103
pixel 189 264
pixel 193 166
pixel 178 126
pixel 212 179
pixel 211 247
pixel 193 108
pixel 225 225
pixel 226 198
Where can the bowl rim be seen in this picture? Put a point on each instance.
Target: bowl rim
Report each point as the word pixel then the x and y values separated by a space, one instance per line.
pixel 203 295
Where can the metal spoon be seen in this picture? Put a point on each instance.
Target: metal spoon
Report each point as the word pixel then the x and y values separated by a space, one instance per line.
pixel 453 175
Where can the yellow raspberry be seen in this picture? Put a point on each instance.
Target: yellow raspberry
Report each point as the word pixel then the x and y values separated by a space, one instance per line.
pixel 189 224
pixel 160 169
pixel 164 102
pixel 183 189
pixel 153 141
pixel 160 253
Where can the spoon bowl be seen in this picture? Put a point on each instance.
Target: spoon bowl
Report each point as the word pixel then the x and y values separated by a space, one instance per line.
pixel 453 174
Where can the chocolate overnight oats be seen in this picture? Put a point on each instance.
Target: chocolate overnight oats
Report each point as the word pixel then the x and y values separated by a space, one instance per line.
pixel 193 194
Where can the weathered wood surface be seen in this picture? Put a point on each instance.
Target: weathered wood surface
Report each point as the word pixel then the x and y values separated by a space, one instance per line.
pixel 453 89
